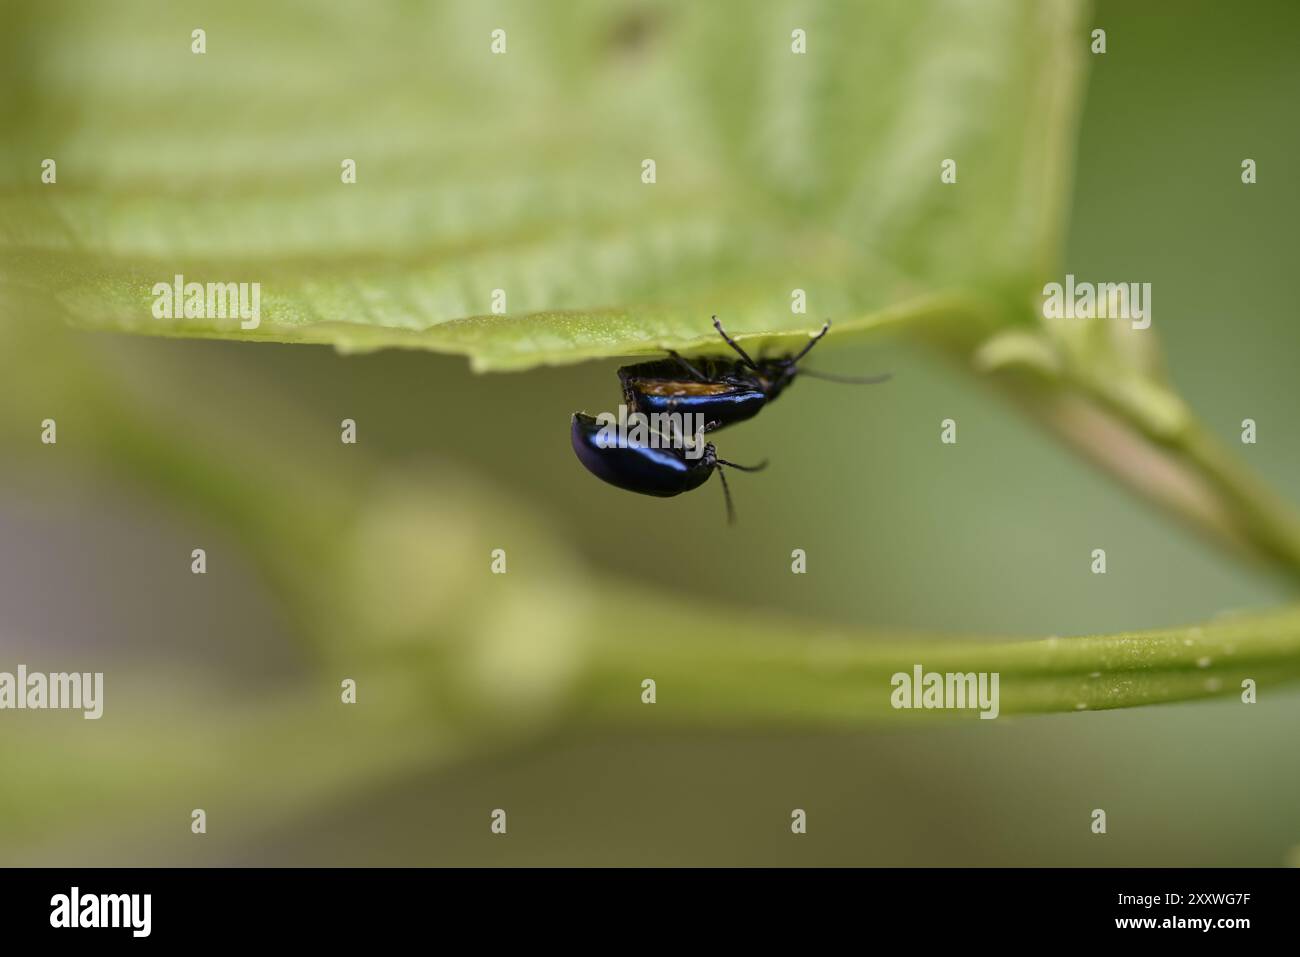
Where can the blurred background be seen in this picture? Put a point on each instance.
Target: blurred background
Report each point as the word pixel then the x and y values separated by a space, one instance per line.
pixel 371 561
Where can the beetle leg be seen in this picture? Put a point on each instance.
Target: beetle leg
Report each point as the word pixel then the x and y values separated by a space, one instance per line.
pixel 815 339
pixel 699 376
pixel 717 324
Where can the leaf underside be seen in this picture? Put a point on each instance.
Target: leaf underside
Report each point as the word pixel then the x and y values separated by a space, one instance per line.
pixel 522 172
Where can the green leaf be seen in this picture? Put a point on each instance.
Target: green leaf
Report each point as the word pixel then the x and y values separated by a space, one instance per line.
pixel 775 171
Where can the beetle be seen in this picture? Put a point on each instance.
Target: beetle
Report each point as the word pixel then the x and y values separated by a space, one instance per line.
pixel 663 470
pixel 723 390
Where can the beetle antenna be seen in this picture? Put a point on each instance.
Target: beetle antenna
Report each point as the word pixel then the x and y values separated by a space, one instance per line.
pixel 812 342
pixel 726 494
pixel 717 324
pixel 726 489
pixel 848 379
pixel 744 468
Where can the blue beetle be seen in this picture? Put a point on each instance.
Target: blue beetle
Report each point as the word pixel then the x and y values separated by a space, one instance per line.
pixel 723 391
pixel 642 467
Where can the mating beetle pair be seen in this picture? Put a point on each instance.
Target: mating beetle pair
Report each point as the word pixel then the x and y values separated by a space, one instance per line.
pixel 719 391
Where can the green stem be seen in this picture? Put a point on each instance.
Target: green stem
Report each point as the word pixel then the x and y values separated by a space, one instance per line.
pixel 1266 520
pixel 779 675
pixel 1184 468
pixel 1134 426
